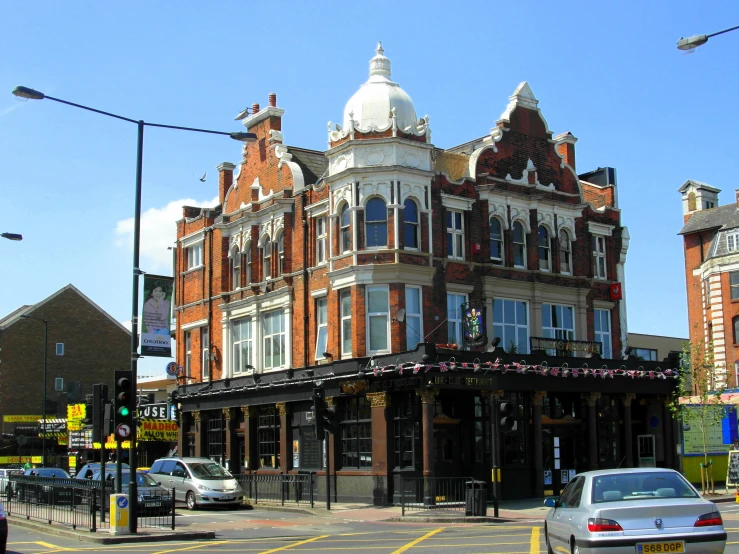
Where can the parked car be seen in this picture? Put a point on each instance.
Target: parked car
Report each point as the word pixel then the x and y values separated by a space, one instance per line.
pixel 47 489
pixel 198 481
pixel 641 510
pixel 3 530
pixel 5 485
pixel 88 470
pixel 152 497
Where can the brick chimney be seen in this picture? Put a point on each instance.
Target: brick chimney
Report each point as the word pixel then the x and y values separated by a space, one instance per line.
pixel 225 179
pixel 737 197
pixel 566 148
pixel 264 120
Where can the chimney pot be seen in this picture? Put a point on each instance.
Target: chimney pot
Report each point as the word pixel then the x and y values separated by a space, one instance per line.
pixel 737 197
pixel 254 108
pixel 273 99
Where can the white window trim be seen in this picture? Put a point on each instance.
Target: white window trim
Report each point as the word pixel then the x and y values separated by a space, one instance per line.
pixel 375 314
pixel 266 260
pixel 528 304
pixel 190 255
pixel 319 326
pixel 459 319
pixel 417 225
pixel 501 260
pixel 416 316
pixel 514 243
pixel 732 238
pixel 205 354
pixel 555 329
pixel 345 317
pixel 236 265
pixel 187 336
pixel 548 248
pixel 569 250
pixel 194 324
pixel 368 222
pixel 250 325
pixel 604 334
pixel 456 233
pixel 348 227
pixel 59 351
pixel 597 255
pixel 262 337
pixel 321 239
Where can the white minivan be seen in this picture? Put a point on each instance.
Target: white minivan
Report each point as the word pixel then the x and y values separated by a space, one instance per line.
pixel 197 481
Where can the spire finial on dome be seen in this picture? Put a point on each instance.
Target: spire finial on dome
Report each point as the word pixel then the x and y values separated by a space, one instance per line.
pixel 380 65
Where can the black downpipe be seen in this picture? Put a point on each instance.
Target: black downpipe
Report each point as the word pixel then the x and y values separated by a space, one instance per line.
pixel 210 299
pixel 306 318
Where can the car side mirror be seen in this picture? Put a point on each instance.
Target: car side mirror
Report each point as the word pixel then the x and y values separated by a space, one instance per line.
pixel 159 483
pixel 551 502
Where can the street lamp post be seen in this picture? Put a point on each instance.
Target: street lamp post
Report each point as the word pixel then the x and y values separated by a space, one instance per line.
pixel 698 40
pixel 43 408
pixel 29 93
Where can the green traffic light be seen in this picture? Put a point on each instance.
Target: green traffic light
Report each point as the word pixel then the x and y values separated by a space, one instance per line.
pixel 124 411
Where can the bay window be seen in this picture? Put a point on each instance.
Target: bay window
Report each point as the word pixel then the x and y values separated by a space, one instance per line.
pixel 378 319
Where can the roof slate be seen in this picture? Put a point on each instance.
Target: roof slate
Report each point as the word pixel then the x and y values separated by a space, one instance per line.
pixel 312 162
pixel 721 217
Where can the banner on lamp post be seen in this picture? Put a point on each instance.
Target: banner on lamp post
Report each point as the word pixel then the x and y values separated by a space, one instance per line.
pixel 156 313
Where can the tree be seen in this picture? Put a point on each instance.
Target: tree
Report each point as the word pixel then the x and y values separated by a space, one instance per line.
pixel 697 399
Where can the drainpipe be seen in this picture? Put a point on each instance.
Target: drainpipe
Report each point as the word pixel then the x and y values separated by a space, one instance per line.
pixel 306 318
pixel 621 278
pixel 209 230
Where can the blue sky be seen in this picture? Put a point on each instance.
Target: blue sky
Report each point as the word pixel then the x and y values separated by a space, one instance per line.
pixel 608 72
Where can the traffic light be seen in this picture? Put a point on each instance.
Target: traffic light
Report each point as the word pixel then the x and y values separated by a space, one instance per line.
pixel 506 422
pixel 323 417
pixel 123 403
pixel 87 420
pixel 99 399
pixel 108 419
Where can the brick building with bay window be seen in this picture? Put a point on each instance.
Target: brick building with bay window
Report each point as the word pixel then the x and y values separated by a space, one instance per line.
pixel 355 271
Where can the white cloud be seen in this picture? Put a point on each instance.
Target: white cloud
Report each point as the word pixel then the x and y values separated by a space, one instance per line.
pixel 158 231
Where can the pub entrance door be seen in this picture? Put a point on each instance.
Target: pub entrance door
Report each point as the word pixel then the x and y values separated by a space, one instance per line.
pixel 562 451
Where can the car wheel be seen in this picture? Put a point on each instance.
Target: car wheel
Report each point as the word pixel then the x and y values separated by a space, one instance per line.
pixel 546 540
pixel 575 548
pixel 190 499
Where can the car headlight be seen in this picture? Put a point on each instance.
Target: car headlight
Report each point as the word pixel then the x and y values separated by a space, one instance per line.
pixel 204 488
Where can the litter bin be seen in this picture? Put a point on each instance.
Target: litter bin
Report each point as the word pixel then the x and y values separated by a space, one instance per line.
pixel 475 500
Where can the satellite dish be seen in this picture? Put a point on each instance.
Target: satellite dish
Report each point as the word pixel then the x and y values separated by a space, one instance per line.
pixel 400 315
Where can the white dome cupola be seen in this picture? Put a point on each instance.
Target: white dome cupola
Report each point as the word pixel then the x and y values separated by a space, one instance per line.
pixel 371 106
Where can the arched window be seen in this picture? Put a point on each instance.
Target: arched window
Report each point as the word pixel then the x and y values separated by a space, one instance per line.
pixel 735 321
pixel 545 253
pixel 346 230
pixel 410 217
pixel 267 258
pixel 281 254
pixel 247 264
pixel 565 261
pixel 235 269
pixel 375 223
pixel 496 241
pixel 519 245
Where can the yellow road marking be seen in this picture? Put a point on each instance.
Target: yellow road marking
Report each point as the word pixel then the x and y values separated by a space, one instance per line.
pixel 535 540
pixel 294 544
pixel 419 539
pixel 49 545
pixel 192 547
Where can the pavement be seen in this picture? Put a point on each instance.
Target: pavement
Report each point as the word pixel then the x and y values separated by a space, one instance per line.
pixel 529 510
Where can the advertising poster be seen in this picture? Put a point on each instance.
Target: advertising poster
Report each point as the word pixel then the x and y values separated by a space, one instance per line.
pixel 474 325
pixel 719 437
pixel 156 315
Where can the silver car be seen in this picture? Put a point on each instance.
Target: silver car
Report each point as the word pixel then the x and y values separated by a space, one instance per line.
pixel 197 481
pixel 636 510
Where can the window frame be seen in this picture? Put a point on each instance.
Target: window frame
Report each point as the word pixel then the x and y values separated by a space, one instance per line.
pixel 369 290
pixel 735 328
pixel 411 227
pixel 346 321
pixel 268 434
pixel 281 254
pixel 544 248
pixel 557 330
pixel 247 264
pixel 519 247
pixel 345 227
pixel 732 242
pixel 188 353
pixel 565 252
pixel 266 259
pixel 321 239
pixel 499 240
pixel 375 224
pixel 505 326
pixel 205 349
pixel 455 323
pixel 605 337
pixel 415 317
pixel 194 254
pixel 321 305
pixel 356 433
pixel 235 268
pixel 281 335
pixel 246 323
pixel 455 236
pixel 600 265
pixel 734 285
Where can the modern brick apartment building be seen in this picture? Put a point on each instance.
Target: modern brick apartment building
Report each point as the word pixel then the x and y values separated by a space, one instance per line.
pixel 711 240
pixel 417 288
pixel 84 346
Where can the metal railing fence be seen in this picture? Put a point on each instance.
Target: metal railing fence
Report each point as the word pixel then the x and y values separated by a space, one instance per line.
pixel 450 494
pixel 277 487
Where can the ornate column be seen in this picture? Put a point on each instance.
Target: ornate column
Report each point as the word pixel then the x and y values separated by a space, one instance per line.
pixel 184 423
pixel 669 445
pixel 628 434
pixel 199 420
pixel 285 438
pixel 428 399
pixel 251 456
pixel 537 399
pixel 592 400
pixel 381 446
pixel 229 448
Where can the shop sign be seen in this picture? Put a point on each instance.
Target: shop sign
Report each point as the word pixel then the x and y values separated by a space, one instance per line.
pixel 21 418
pixel 157 430
pixel 546 343
pixel 461 381
pixel 399 384
pixel 473 321
pixel 154 411
pixel 75 414
pixel 80 439
pixel 20 460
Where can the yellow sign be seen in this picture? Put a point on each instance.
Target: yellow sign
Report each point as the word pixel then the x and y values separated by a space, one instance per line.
pixel 157 430
pixel 20 459
pixel 21 418
pixel 110 443
pixel 75 414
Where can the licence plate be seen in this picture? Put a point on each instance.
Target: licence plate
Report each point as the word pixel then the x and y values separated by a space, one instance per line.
pixel 650 547
pixel 155 503
pixel 226 498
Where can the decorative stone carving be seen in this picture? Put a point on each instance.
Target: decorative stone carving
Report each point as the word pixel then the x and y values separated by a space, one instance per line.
pixel 196 417
pixel 249 411
pixel 227 413
pixel 330 401
pixel 353 387
pixel 628 398
pixel 428 396
pixel 378 399
pixel 537 397
pixel 592 398
pixel 281 408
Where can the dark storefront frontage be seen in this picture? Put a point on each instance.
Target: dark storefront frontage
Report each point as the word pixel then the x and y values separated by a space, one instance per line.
pixel 437 413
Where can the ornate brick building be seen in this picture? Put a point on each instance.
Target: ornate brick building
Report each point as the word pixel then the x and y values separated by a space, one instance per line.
pixel 420 288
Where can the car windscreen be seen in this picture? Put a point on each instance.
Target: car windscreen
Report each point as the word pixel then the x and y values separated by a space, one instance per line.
pixel 209 471
pixel 636 485
pixel 48 472
pixel 142 479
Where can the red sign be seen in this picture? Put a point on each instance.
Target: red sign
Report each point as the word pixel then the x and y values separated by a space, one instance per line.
pixel 615 290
